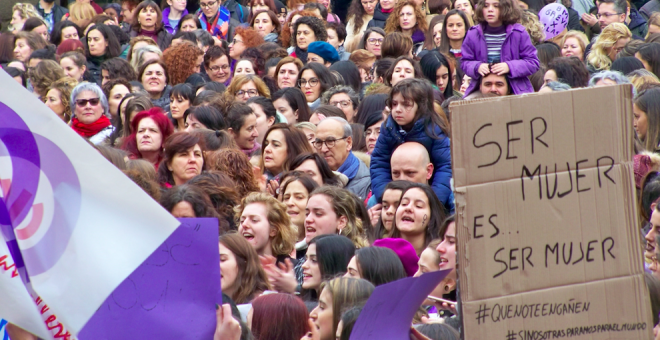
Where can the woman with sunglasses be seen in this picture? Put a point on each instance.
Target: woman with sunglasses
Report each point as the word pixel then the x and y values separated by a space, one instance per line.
pixel 90 108
pixel 313 80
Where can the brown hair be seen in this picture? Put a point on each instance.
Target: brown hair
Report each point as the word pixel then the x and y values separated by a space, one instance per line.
pixel 44 75
pixel 362 58
pixel 144 4
pixel 285 238
pixel 144 66
pixel 392 23
pixel 251 278
pixel 64 85
pixel 510 12
pixel 243 79
pixel 296 143
pixel 180 61
pixel 221 191
pixel 288 60
pixel 396 44
pixel 34 40
pixel 236 165
pixel 273 19
pixel 174 144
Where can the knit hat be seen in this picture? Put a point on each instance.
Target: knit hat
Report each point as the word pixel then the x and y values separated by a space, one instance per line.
pixel 641 166
pixel 404 250
pixel 281 8
pixel 323 50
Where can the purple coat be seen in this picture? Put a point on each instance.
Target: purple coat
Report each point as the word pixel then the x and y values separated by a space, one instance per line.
pixel 517 51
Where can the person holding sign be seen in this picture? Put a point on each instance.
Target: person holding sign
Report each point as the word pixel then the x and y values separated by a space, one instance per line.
pixel 498 44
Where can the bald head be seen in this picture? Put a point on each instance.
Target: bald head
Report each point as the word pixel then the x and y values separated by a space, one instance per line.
pixel 411 162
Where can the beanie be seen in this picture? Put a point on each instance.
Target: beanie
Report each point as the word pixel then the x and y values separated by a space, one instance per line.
pixel 323 50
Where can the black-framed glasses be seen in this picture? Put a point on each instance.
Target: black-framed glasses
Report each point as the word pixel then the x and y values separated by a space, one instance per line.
pixel 329 143
pixel 251 93
pixel 208 4
pixel 312 82
pixel 236 41
pixel 217 68
pixel 606 15
pixel 83 102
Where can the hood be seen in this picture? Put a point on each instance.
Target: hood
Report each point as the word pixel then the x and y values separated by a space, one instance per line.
pixel 636 19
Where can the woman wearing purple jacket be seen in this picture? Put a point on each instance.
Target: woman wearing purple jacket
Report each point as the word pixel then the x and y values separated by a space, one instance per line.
pixel 173 13
pixel 500 45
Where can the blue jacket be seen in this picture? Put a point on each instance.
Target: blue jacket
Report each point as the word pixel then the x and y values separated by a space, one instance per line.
pixel 391 136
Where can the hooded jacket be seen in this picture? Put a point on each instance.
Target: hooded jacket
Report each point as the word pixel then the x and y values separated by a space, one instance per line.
pixel 237 12
pixel 379 18
pixel 166 21
pixel 637 24
pixel 517 52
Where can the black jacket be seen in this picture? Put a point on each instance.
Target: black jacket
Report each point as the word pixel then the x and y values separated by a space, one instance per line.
pixel 379 18
pixel 57 10
pixel 574 20
pixel 163 39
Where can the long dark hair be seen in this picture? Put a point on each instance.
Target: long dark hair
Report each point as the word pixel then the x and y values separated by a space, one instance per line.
pixel 174 144
pixel 430 63
pixel 379 230
pixel 437 214
pixel 188 193
pixel 333 253
pixel 444 42
pixel 329 177
pixel 571 71
pixel 371 104
pixel 56 36
pixel 113 49
pixel 649 102
pixel 390 71
pixel 651 54
pixel 420 91
pixel 207 115
pixel 326 79
pixel 379 265
pixel 296 99
pixel 350 72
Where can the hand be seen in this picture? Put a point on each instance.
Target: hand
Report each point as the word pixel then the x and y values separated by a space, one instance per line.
pixel 500 69
pixel 313 333
pixel 483 69
pixel 282 278
pixel 374 213
pixel 590 19
pixel 273 188
pixel 446 306
pixel 227 327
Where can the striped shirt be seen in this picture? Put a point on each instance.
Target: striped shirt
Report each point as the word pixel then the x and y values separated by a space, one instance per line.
pixel 495 37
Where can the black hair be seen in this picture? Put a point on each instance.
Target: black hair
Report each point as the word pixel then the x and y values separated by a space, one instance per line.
pixel 184 91
pixel 650 185
pixel 326 79
pixel 626 65
pixel 547 51
pixel 204 97
pixel 370 105
pixel 296 100
pixel 379 229
pixel 328 177
pixel 430 63
pixel 47 53
pixel 339 28
pixel 272 62
pixel 421 92
pixel 196 80
pixel 333 253
pixel 207 115
pixel 32 23
pixel 438 331
pixel 190 36
pixel 315 24
pixel 315 5
pixel 436 219
pixel 359 139
pixel 651 54
pixel 122 36
pixel 379 265
pixel 56 35
pixel 113 49
pixel 135 83
pixel 15 72
pixel 215 87
pixel 119 68
pixel 189 17
pixel 197 198
pixel 266 105
pixel 381 66
pixel 350 72
pixel 348 319
pixel 236 115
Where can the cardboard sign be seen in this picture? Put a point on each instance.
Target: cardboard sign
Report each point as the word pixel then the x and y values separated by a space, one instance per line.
pixel 546 219
pixel 172 295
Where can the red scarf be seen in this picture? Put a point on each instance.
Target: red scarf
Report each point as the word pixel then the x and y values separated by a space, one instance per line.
pixel 89 130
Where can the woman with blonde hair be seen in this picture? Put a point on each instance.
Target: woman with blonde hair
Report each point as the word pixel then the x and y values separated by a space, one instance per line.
pixel 57 97
pixel 20 13
pixel 343 220
pixel 265 224
pixel 574 44
pixel 610 42
pixel 641 77
pixel 409 19
pixel 246 86
pixel 145 54
pixel 81 14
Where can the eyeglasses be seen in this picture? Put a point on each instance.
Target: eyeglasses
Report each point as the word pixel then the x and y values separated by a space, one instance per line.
pixel 251 93
pixel 208 4
pixel 83 102
pixel 236 41
pixel 217 68
pixel 329 143
pixel 312 82
pixel 343 103
pixel 606 15
pixel 375 41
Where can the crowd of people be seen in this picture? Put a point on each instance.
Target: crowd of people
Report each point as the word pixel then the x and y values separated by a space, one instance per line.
pixel 317 133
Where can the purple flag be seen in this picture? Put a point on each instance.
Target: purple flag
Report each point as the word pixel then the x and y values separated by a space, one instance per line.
pixel 172 295
pixel 390 309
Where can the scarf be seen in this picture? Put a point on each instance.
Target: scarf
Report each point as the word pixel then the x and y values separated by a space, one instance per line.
pixel 350 166
pixel 90 130
pixel 249 152
pixel 418 36
pixel 302 55
pixel 220 26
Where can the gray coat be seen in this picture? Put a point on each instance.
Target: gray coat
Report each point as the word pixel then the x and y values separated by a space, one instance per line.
pixel 360 185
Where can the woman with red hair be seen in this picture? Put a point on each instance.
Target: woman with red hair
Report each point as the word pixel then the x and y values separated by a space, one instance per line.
pixel 150 130
pixel 278 317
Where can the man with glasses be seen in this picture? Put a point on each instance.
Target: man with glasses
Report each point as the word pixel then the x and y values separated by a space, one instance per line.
pixel 610 11
pixel 344 98
pixel 214 19
pixel 334 142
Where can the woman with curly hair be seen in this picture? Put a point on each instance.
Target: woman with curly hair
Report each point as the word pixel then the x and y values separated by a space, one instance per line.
pixel 612 40
pixel 244 38
pixel 534 27
pixel 44 75
pixel 410 20
pixel 223 194
pixel 307 30
pixel 359 15
pixel 246 86
pixel 57 97
pixel 235 164
pixel 182 61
